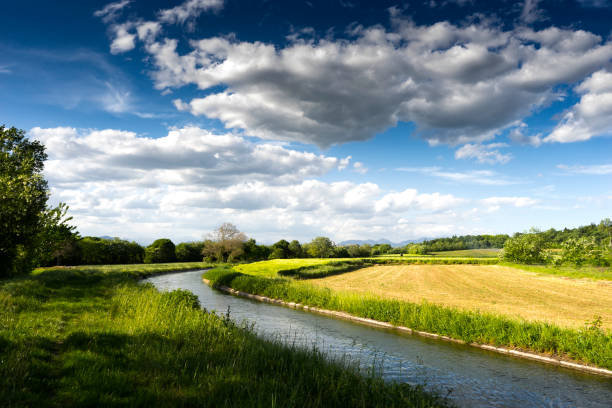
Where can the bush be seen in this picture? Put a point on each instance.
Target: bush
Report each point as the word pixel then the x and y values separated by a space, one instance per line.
pixel 583 250
pixel 524 248
pixel 160 251
pixel 189 251
pixel 181 297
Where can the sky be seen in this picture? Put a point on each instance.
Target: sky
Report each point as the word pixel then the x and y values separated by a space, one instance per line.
pixel 295 119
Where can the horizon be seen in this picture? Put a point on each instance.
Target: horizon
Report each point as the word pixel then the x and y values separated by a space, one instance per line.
pixel 353 120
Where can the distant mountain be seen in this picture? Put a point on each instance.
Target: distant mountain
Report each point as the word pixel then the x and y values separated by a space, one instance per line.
pixel 381 241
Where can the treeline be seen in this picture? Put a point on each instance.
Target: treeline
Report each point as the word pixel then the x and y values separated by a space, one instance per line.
pixel 464 242
pixel 586 245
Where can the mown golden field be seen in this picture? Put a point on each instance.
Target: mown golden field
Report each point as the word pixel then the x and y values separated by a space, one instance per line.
pixel 487 288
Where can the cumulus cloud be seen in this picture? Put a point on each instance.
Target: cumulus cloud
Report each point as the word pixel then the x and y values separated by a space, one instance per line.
pixel 459 84
pixel 189 156
pixel 484 153
pixel 190 9
pixel 591 116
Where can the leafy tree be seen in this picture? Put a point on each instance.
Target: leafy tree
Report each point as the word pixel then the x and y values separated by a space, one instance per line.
pixel 161 250
pixel 321 247
pixel 254 252
pixel 524 248
pixel 189 251
pixel 280 250
pixel 57 241
pixel 580 251
pixel 295 249
pixel 26 223
pixel 226 243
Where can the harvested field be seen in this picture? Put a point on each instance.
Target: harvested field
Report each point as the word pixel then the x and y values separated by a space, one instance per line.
pixel 488 288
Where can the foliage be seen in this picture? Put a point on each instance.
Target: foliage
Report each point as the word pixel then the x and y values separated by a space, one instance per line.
pixel 253 252
pixel 95 337
pixel 590 346
pixel 160 251
pixel 465 242
pixel 189 251
pixel 321 247
pixel 580 251
pixel 56 243
pixel 31 232
pixel 225 245
pixel 525 249
pixel 100 251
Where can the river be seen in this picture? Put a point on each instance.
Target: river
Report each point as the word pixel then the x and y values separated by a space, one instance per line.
pixel 469 377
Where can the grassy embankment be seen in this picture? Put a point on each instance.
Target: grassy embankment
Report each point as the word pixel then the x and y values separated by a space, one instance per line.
pixel 592 344
pixel 93 336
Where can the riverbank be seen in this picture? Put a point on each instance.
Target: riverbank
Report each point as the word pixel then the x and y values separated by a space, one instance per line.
pixel 95 336
pixel 590 346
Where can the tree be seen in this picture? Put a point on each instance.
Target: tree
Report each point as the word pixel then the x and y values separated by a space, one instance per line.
pixel 189 251
pixel 295 249
pixel 321 247
pixel 57 239
pixel 524 248
pixel 225 244
pixel 280 250
pixel 23 198
pixel 161 250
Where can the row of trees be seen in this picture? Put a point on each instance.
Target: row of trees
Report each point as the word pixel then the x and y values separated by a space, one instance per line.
pixel 578 248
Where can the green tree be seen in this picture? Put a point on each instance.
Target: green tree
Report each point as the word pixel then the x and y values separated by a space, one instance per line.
pixel 525 248
pixel 321 247
pixel 23 198
pixel 161 250
pixel 56 239
pixel 295 249
pixel 189 251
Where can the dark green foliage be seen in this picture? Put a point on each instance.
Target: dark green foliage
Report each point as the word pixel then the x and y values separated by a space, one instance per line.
pixel 464 242
pixel 189 251
pixel 95 337
pixel 296 250
pixel 100 251
pixel 254 252
pixel 591 345
pixel 381 249
pixel 160 251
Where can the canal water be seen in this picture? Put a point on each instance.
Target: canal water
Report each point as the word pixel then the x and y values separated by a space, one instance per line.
pixel 469 377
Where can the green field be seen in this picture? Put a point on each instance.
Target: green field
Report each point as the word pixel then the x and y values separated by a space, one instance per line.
pixel 93 336
pixel 591 344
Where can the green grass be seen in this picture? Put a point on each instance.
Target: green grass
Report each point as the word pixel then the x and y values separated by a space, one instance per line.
pixel 289 267
pixel 135 269
pixel 592 345
pixel 94 336
pixel 576 272
pixel 470 253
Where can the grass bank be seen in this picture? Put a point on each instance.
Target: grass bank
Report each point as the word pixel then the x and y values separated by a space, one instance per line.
pixel 94 336
pixel 591 345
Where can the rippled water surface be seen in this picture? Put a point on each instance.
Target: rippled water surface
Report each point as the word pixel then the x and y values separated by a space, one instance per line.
pixel 469 376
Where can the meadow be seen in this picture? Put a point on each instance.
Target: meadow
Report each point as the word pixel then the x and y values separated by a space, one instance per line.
pixel 95 336
pixel 586 341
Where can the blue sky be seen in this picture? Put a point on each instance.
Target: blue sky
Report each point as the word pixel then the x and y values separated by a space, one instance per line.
pixel 350 119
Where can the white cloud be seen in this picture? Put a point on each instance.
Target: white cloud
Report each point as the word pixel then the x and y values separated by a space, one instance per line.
pixel 184 184
pixel 123 40
pixel 188 10
pixel 590 117
pixel 495 203
pixel 190 156
pixel 483 153
pixel 593 169
pixel 483 177
pixel 531 13
pixel 111 11
pixel 360 168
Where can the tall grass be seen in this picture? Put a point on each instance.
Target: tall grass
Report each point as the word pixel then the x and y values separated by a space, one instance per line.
pixel 576 272
pixel 591 345
pixel 95 337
